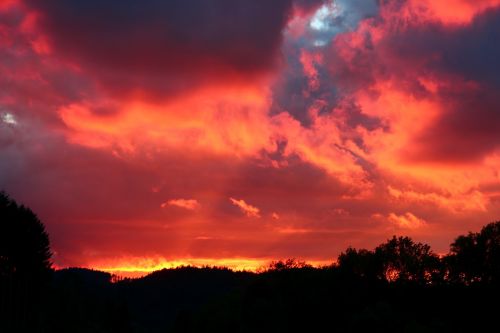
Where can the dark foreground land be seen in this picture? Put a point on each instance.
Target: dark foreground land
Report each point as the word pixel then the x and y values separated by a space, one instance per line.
pixel 285 300
pixel 288 300
pixel 400 286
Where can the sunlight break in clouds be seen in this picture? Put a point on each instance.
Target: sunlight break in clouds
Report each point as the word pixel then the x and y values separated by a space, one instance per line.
pixel 248 210
pixel 190 204
pixel 8 118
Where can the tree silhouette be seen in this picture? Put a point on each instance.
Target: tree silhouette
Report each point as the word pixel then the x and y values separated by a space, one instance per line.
pixel 476 257
pixel 24 243
pixel 399 259
pixel 358 263
pixel 24 264
pixel 403 260
pixel 288 264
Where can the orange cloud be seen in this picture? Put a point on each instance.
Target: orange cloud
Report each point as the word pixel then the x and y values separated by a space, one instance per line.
pixel 248 210
pixel 222 121
pixel 453 11
pixel 323 146
pixel 190 204
pixel 473 201
pixel 390 86
pixel 292 230
pixel 406 221
pixel 231 121
pixel 407 116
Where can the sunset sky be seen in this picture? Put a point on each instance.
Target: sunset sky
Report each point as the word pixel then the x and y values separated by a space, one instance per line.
pixel 149 134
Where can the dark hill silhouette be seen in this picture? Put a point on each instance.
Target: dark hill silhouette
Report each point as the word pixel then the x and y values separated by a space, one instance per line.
pixel 399 286
pixel 163 297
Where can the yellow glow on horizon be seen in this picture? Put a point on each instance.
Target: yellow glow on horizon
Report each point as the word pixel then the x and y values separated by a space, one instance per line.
pixel 139 266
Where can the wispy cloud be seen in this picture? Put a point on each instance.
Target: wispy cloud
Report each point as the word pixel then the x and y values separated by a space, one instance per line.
pixel 190 204
pixel 247 209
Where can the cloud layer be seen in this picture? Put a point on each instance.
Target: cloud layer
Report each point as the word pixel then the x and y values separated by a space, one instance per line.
pixel 127 126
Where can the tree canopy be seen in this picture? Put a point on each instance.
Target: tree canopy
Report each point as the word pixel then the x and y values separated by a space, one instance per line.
pixel 24 243
pixel 475 257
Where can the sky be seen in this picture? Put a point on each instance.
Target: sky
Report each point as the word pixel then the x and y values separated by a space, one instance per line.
pixel 150 134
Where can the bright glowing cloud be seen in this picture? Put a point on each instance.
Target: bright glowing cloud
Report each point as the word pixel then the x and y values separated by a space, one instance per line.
pixel 247 209
pixel 406 221
pixel 190 204
pixel 454 11
pixel 229 121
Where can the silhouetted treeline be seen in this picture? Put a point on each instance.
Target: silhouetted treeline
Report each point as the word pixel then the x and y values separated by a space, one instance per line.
pixel 400 286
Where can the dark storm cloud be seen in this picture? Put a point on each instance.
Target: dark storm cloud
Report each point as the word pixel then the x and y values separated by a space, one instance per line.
pixel 471 51
pixel 469 127
pixel 467 131
pixel 292 93
pixel 167 46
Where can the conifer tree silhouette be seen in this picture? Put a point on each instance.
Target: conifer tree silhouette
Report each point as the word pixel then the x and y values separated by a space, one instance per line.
pixel 25 266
